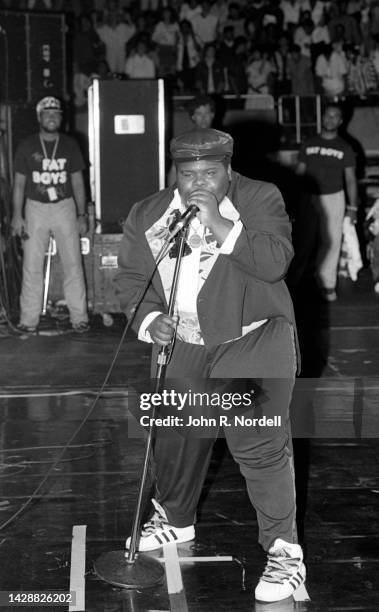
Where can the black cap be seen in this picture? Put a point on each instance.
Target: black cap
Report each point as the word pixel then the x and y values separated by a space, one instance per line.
pixel 201 144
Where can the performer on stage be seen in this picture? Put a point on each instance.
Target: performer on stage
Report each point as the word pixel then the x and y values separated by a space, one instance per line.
pixel 234 320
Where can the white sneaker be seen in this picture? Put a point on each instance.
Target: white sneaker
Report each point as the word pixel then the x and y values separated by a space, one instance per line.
pixel 157 532
pixel 284 572
pixel 376 287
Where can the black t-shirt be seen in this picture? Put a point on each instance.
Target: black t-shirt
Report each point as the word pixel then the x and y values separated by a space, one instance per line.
pixel 326 160
pixel 48 179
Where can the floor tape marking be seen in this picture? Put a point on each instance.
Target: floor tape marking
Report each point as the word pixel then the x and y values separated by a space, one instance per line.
pixel 204 559
pixel 178 600
pixel 78 567
pixel 301 594
pixel 353 327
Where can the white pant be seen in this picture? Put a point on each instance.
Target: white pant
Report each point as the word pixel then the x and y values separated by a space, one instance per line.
pixel 331 209
pixel 41 220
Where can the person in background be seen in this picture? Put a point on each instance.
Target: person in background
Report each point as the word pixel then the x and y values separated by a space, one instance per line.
pixel 227 57
pixel 189 9
pixel 115 34
pixel 281 59
pixel 331 69
pixel 273 14
pixel 235 20
pixel 303 37
pixel 166 36
pixel 239 73
pixel 139 65
pixel 330 162
pixel 291 14
pixel 340 18
pixel 220 10
pixel 320 37
pixel 355 81
pixel 49 182
pixel 87 47
pixel 300 73
pixel 205 25
pixel 209 73
pixel 188 57
pixel 251 33
pixel 374 56
pixel 372 231
pixel 201 110
pixel 260 71
pixel 317 8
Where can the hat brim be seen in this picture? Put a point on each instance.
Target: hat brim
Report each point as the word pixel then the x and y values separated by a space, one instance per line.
pixel 57 110
pixel 198 158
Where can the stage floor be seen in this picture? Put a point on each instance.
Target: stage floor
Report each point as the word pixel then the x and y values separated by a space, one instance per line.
pixel 48 385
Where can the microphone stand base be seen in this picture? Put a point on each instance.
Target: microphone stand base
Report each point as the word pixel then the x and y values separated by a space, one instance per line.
pixel 143 572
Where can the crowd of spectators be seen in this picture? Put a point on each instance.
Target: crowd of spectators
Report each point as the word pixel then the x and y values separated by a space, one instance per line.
pixel 275 47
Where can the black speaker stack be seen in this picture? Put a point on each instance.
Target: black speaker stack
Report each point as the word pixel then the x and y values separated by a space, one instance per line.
pixel 32 65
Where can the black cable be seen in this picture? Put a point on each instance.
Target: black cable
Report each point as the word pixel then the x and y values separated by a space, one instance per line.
pixel 24 463
pixel 72 437
pixel 162 253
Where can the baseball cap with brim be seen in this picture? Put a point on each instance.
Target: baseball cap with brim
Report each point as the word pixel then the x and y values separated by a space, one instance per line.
pixel 196 145
pixel 48 103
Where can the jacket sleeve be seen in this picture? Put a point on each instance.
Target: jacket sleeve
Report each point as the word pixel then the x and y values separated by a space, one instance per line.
pixel 137 295
pixel 263 249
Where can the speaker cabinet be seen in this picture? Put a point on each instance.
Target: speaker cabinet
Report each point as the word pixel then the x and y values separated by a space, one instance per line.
pixel 126 137
pixel 32 56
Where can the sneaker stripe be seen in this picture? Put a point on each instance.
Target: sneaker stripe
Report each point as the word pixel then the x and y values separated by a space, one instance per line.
pixel 175 537
pixel 296 580
pixel 165 536
pixel 159 539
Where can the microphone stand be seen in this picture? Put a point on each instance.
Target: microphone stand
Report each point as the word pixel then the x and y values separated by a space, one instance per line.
pixel 132 570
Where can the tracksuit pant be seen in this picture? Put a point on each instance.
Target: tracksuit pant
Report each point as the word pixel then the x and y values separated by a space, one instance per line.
pixel 263 360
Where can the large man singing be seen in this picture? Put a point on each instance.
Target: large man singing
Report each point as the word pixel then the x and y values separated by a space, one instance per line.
pixel 233 320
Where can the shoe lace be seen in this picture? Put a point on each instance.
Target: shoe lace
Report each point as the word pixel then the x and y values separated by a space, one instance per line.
pixel 280 567
pixel 82 326
pixel 156 522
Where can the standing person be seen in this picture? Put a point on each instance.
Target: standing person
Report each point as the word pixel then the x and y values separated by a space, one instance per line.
pixel 166 36
pixel 372 231
pixel 330 161
pixel 331 69
pixel 227 56
pixel 205 25
pixel 234 314
pixel 300 72
pixel 188 56
pixel 209 73
pixel 49 179
pixel 281 59
pixel 139 65
pixel 260 70
pixel 115 35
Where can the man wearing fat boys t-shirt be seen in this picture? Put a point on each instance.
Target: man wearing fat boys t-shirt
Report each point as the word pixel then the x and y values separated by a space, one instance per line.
pixel 49 181
pixel 330 161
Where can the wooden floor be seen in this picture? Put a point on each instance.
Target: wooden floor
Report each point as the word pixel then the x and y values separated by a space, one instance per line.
pixel 48 384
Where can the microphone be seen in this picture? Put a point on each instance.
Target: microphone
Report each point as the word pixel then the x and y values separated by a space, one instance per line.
pixel 190 212
pixel 182 222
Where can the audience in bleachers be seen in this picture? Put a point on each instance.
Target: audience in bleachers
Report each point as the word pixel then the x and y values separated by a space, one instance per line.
pixel 224 46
